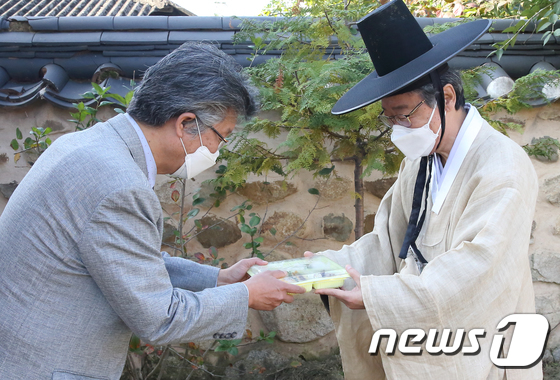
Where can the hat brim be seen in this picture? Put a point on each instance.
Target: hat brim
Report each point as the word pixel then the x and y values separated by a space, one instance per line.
pixel 447 44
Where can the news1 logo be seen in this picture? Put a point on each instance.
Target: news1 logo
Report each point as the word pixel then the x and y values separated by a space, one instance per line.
pixel 525 350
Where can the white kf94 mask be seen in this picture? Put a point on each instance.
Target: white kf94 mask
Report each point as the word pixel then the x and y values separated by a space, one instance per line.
pixel 415 142
pixel 197 162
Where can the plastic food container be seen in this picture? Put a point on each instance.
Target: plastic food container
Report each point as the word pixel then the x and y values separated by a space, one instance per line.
pixel 317 272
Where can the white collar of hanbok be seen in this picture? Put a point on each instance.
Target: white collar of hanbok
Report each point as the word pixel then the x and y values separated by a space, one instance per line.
pixel 443 179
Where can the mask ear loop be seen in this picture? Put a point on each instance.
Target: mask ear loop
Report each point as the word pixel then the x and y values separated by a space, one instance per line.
pixel 436 81
pixel 198 128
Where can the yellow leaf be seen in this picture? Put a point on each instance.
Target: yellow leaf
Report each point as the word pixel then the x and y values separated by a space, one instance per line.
pixel 17 156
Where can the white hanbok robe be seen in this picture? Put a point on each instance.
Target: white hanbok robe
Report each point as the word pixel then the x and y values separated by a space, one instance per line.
pixel 477 273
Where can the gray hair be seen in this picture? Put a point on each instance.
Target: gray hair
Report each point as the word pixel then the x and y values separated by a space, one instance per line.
pixel 452 77
pixel 195 78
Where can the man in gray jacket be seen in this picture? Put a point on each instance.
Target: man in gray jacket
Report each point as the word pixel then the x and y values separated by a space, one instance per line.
pixel 80 265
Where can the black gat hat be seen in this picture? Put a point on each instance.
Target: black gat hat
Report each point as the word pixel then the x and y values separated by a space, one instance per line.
pixel 402 53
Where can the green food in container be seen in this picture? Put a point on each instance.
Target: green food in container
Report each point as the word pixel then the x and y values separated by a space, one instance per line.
pixel 317 272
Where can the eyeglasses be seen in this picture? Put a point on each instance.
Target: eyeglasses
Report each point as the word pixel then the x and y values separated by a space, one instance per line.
pixel 222 138
pixel 403 120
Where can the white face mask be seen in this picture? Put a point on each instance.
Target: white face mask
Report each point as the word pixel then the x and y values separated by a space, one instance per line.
pixel 197 162
pixel 415 142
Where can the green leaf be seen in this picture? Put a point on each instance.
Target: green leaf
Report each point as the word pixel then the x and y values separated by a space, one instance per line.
pixel 198 224
pixel 48 141
pixel 249 207
pixel 273 231
pixel 97 88
pixel 194 212
pixel 543 26
pixel 245 228
pixel 313 191
pixel 14 144
pixel 118 110
pixel 248 245
pixel 326 171
pixel 198 201
pixel 116 97
pixel 260 239
pixel 255 220
pixel 233 351
pixel 546 37
pixel 19 136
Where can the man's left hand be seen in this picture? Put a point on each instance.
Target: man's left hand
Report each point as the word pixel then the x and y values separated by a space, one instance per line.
pixel 351 298
pixel 238 271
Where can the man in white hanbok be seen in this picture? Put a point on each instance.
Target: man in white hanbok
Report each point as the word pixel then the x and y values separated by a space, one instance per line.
pixel 467 265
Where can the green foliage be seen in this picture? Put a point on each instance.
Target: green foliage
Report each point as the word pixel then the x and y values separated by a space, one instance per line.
pixel 86 116
pixel 304 84
pixel 544 148
pixel 250 228
pixel 229 346
pixel 38 142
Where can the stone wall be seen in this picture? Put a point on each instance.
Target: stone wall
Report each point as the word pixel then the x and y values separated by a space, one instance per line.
pixel 303 328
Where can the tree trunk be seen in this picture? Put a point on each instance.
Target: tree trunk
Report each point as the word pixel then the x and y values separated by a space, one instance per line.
pixel 359 202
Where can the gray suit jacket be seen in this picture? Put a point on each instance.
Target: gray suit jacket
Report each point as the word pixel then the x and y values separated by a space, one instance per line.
pixel 80 266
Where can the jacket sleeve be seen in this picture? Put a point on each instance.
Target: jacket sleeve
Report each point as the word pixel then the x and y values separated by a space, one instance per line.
pixel 187 274
pixel 120 249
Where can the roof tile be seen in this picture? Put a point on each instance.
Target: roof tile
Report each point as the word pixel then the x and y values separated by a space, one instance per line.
pixel 140 22
pixel 62 39
pixel 178 37
pixel 16 38
pixel 139 38
pixel 85 23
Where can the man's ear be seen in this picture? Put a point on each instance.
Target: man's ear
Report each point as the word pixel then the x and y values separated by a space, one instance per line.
pixel 450 97
pixel 182 119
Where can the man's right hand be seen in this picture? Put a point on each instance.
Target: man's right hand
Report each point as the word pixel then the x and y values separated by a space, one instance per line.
pixel 266 291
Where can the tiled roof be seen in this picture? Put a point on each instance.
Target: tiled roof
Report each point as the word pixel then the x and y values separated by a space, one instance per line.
pixel 56 58
pixel 61 8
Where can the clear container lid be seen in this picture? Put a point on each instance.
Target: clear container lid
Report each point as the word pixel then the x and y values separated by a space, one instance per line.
pixel 317 269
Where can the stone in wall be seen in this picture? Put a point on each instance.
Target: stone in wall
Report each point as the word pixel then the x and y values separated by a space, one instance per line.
pixel 169 228
pixel 545 266
pixel 285 224
pixel 380 187
pixel 333 188
pixel 337 227
pixel 249 366
pixel 163 192
pixel 267 192
pixel 551 189
pixel 303 320
pixel 7 189
pixel 369 223
pixel 219 233
pixel 547 303
pixel 549 113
